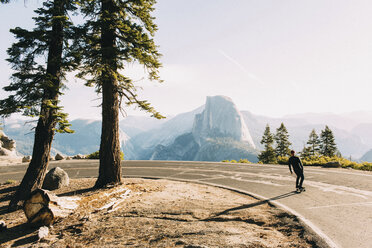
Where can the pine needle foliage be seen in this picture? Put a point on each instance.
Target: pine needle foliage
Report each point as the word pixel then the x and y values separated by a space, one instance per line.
pixel 282 141
pixel 33 85
pixel 328 145
pixel 117 33
pixel 314 143
pixel 267 156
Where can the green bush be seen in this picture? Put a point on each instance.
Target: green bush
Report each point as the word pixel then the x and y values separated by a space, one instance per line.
pixel 282 160
pixel 10 181
pixel 95 155
pixel 244 161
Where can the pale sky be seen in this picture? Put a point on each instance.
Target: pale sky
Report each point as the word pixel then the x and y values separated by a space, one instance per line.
pixel 272 58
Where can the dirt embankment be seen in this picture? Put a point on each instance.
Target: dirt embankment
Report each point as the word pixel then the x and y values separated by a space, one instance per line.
pixel 159 213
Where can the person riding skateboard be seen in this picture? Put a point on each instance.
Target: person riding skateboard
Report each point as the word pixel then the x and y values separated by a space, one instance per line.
pixel 298 168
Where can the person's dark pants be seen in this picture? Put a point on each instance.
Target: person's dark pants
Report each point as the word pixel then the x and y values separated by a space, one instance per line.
pixel 300 178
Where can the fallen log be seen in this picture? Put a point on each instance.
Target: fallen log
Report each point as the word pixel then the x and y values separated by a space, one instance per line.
pixel 43 208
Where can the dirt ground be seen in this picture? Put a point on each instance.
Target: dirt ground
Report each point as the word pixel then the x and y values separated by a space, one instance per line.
pixel 158 213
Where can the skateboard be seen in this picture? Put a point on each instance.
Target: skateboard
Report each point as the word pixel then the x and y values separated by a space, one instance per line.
pixel 300 190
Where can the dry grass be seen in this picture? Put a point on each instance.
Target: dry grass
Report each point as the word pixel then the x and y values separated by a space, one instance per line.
pixel 159 213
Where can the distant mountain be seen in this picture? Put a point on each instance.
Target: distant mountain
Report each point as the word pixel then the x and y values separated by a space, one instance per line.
pixel 367 157
pixel 204 133
pixel 364 131
pixel 219 132
pixel 165 133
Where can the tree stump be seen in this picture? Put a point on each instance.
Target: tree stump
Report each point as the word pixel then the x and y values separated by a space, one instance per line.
pixel 42 207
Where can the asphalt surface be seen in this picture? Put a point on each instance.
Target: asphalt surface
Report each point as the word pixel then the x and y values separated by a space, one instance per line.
pixel 337 202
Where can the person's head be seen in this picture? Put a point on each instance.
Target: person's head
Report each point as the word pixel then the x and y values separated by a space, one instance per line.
pixel 293 153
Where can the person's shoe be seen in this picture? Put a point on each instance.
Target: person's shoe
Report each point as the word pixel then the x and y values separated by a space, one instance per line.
pixel 302 189
pixel 298 190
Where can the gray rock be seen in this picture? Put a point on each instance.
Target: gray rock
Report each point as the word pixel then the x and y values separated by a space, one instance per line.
pixel 55 179
pixel 59 157
pixel 26 159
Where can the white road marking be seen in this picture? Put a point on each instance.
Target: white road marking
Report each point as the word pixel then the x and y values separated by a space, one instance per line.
pixel 343 205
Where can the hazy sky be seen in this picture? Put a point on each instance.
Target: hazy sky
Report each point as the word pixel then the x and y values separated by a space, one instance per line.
pixel 272 58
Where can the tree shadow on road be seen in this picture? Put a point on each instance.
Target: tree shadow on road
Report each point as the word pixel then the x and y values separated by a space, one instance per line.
pixel 251 205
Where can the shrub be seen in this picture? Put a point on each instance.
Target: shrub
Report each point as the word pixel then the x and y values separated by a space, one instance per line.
pixel 282 160
pixel 244 161
pixel 10 181
pixel 95 155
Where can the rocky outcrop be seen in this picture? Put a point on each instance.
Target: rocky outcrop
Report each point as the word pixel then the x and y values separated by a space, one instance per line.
pixel 221 119
pixel 55 179
pixel 59 157
pixel 26 159
pixel 7 146
pixel 219 132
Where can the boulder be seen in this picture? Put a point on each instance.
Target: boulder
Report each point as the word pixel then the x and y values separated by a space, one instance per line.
pixel 68 158
pixel 26 159
pixel 7 143
pixel 55 179
pixel 5 152
pixel 59 157
pixel 78 156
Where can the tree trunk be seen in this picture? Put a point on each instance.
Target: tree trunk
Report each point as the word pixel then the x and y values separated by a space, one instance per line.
pixel 109 152
pixel 44 131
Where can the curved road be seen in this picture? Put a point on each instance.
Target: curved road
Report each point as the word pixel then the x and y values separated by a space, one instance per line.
pixel 337 203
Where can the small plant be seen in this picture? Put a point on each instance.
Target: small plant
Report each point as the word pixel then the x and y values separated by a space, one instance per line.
pixel 95 155
pixel 10 181
pixel 244 161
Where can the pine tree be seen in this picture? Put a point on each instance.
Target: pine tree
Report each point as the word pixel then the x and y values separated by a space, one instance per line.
pixel 268 155
pixel 37 85
pixel 117 32
pixel 306 152
pixel 328 146
pixel 282 141
pixel 314 143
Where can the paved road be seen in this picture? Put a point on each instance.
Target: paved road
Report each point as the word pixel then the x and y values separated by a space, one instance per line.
pixel 338 202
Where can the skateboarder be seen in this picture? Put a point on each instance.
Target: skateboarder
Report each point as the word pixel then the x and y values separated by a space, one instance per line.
pixel 298 168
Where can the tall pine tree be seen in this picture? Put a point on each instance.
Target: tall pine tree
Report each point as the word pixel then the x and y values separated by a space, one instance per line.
pixel 314 143
pixel 117 32
pixel 282 141
pixel 328 146
pixel 39 61
pixel 268 155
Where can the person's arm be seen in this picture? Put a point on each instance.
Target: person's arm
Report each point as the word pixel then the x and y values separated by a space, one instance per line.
pixel 289 165
pixel 300 163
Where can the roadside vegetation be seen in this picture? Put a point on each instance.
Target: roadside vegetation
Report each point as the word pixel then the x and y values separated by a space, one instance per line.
pixel 320 150
pixel 95 155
